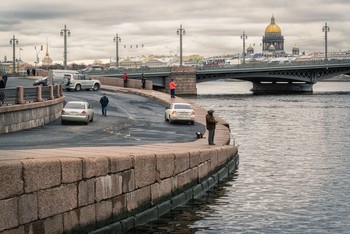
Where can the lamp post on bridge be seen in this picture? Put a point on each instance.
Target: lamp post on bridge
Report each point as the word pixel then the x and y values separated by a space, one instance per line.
pixel 325 29
pixel 180 31
pixel 37 51
pixel 14 42
pixel 244 36
pixel 65 32
pixel 116 39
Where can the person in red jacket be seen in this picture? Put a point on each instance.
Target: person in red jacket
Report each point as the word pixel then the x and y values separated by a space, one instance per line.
pixel 125 78
pixel 172 88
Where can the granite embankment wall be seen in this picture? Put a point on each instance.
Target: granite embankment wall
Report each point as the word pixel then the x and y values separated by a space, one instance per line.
pixel 108 189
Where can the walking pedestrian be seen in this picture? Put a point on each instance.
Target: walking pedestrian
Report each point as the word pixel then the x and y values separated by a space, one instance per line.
pixel 172 88
pixel 104 103
pixel 211 124
pixel 2 83
pixel 28 72
pixel 4 78
pixel 143 81
pixel 125 78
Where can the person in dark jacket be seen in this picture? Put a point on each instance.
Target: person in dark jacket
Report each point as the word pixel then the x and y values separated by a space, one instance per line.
pixel 4 81
pixel 2 84
pixel 143 81
pixel 4 77
pixel 211 124
pixel 104 103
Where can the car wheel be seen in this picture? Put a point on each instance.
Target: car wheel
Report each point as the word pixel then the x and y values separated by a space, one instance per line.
pixel 171 121
pixel 77 87
pixel 63 122
pixel 165 118
pixel 96 87
pixel 92 119
pixel 192 123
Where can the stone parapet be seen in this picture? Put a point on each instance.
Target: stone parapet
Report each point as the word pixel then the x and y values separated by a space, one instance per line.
pixel 35 190
pixel 29 115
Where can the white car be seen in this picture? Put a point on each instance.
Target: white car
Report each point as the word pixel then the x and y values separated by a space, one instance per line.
pixel 78 82
pixel 180 112
pixel 77 111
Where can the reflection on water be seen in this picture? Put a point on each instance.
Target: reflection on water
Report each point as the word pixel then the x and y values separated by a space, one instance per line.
pixel 294 173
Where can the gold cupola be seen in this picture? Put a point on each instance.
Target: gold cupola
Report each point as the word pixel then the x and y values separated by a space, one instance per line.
pixel 273 27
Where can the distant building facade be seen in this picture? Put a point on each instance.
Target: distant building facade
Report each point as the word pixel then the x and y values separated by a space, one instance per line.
pixel 295 50
pixel 250 49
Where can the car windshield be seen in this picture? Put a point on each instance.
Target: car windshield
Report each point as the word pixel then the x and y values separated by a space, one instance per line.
pixel 75 105
pixel 181 106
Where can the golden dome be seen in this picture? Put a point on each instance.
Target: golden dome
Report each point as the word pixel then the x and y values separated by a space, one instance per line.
pixel 273 27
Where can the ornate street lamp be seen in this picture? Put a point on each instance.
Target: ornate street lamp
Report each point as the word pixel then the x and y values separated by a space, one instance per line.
pixel 181 31
pixel 325 29
pixel 244 36
pixel 14 42
pixel 117 39
pixel 37 51
pixel 65 32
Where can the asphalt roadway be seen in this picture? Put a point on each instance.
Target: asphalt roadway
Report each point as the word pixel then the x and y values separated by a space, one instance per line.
pixel 131 120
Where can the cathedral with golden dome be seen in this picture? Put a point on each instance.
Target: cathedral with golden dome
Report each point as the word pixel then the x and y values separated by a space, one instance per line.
pixel 273 41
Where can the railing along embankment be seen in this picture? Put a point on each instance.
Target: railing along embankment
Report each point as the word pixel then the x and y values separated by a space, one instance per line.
pixel 24 108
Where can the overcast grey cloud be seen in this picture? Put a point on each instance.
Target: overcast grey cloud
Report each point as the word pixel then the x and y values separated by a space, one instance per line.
pixel 212 27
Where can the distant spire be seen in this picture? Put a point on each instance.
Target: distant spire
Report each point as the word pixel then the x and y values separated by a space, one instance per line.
pixel 47 60
pixel 273 20
pixel 47 47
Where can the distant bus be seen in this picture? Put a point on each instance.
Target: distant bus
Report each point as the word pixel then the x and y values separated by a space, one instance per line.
pixel 214 62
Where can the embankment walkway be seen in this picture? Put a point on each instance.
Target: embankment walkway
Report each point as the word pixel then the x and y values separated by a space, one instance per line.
pixel 91 188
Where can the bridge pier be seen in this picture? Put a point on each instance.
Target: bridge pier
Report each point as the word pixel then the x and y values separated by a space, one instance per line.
pixel 276 88
pixel 185 80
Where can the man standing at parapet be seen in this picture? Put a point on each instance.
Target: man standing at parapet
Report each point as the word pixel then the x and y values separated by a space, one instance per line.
pixel 211 124
pixel 172 87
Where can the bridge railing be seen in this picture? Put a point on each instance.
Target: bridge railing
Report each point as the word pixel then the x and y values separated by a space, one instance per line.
pixel 274 64
pixel 129 71
pixel 135 72
pixel 20 95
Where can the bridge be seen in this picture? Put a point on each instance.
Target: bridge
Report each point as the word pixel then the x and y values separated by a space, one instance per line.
pixel 292 77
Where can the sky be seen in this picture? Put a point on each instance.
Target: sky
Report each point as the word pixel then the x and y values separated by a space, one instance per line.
pixel 148 27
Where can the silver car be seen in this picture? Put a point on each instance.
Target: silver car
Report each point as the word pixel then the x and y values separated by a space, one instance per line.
pixel 180 112
pixel 79 82
pixel 77 111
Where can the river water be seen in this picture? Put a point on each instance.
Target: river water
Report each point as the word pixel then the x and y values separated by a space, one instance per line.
pixel 294 171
